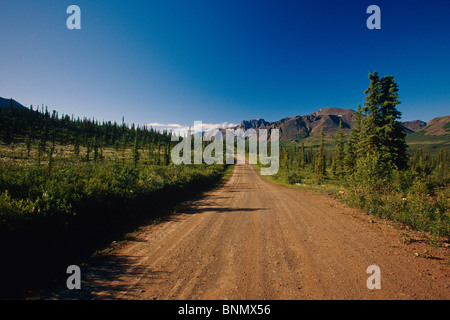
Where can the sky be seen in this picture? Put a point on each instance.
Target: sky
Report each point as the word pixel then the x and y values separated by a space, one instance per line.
pixel 221 62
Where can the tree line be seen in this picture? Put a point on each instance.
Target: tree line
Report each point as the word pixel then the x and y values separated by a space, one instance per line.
pixel 41 130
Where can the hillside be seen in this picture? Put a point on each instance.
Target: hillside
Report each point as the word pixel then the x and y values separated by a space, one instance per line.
pixel 438 126
pixel 413 126
pixel 435 135
pixel 4 103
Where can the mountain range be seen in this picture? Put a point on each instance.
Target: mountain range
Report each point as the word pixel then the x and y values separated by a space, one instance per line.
pixel 300 127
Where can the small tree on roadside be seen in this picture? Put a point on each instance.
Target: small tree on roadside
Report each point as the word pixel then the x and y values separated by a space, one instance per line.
pixel 393 141
pixel 135 152
pixel 381 137
pixel 320 166
pixel 338 159
pixel 352 143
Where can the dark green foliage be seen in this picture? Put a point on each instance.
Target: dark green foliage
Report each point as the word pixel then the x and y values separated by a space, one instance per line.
pixel 135 152
pixel 19 124
pixel 338 159
pixel 320 162
pixel 352 144
pixel 28 143
pixel 381 132
pixel 302 156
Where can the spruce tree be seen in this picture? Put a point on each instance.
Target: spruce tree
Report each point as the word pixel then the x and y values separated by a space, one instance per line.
pixel 158 154
pixel 302 156
pixel 88 145
pixel 28 143
pixel 8 135
pixel 320 158
pixel 95 145
pixel 353 142
pixel 135 152
pixel 50 155
pixel 370 125
pixel 392 132
pixel 123 147
pixel 382 136
pixel 76 147
pixel 339 154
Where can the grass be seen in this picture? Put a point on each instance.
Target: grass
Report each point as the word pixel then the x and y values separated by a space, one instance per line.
pixel 310 184
pixel 419 140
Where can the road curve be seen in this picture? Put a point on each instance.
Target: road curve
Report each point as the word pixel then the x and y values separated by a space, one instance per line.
pixel 251 239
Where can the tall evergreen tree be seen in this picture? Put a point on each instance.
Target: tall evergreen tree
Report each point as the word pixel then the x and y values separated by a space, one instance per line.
pixel 320 158
pixel 339 154
pixel 353 142
pixel 8 139
pixel 76 147
pixel 28 143
pixel 123 146
pixel 95 145
pixel 370 125
pixel 135 152
pixel 392 132
pixel 382 136
pixel 302 156
pixel 88 145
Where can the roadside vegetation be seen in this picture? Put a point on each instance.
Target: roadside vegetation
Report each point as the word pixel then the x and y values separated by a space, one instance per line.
pixel 69 187
pixel 373 169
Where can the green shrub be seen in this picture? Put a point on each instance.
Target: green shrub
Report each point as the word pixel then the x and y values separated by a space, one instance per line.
pixel 294 177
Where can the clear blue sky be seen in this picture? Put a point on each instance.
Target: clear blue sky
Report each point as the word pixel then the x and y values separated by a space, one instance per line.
pixel 179 61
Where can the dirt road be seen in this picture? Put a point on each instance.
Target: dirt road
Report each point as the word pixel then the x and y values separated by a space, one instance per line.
pixel 251 239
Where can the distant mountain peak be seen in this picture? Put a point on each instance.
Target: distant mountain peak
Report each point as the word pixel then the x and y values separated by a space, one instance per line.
pixel 304 126
pixel 413 126
pixel 5 103
pixel 333 111
pixel 298 127
pixel 253 124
